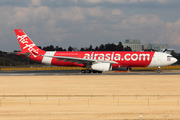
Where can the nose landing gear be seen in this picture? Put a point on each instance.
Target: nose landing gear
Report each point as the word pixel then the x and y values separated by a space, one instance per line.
pixel 159 70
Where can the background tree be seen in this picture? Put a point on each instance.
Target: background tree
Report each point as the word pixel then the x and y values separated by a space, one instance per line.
pixel 70 48
pixel 96 48
pixel 101 47
pixel 127 48
pixel 51 48
pixel 82 49
pixel 90 48
pixel 119 47
pixel 177 56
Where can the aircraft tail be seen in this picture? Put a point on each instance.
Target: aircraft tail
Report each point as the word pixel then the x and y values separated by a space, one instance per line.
pixel 25 42
pixel 29 49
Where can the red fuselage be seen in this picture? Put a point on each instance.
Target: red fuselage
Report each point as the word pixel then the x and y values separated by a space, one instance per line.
pixel 124 59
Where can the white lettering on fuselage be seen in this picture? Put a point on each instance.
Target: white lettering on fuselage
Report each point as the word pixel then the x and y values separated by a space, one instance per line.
pixel 117 57
pixel 127 58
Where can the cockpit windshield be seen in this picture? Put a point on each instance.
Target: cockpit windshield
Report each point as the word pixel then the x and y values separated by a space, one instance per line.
pixel 169 56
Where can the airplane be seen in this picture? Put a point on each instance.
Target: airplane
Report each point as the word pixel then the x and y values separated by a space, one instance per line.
pixel 93 61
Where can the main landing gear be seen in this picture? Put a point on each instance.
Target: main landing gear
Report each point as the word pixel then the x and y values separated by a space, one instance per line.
pixel 159 70
pixel 85 71
pixel 89 71
pixel 94 71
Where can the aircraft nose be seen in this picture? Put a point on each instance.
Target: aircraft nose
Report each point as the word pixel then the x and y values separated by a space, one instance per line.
pixel 174 60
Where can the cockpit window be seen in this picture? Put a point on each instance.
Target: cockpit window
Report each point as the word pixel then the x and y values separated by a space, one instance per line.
pixel 169 56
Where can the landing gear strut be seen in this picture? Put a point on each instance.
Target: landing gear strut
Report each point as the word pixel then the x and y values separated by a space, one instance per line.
pixel 159 70
pixel 89 71
pixel 85 71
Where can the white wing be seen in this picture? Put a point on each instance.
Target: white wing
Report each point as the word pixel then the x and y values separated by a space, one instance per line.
pixel 79 60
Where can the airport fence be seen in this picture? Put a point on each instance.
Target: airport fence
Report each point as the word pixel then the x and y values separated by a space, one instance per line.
pixel 89 100
pixel 173 67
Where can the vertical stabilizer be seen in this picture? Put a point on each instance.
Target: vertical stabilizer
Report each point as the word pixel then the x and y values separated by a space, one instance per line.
pixel 28 46
pixel 25 42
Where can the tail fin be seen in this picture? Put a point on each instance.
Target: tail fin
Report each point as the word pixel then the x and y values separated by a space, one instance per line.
pixel 26 43
pixel 29 49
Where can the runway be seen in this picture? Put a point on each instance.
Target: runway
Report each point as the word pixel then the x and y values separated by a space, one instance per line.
pixel 77 72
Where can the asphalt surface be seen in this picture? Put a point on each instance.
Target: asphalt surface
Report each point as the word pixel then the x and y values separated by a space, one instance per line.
pixel 77 72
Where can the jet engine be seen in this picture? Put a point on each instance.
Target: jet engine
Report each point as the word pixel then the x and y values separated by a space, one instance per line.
pixel 101 66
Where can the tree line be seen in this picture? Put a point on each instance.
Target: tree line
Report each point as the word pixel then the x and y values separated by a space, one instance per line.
pixel 15 60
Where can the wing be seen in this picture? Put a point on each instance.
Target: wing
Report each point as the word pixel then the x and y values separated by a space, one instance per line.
pixel 79 60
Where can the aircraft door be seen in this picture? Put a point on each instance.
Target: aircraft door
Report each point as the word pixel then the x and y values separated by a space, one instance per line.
pixel 159 59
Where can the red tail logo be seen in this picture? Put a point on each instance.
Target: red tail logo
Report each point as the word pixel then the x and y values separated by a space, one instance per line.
pixel 26 43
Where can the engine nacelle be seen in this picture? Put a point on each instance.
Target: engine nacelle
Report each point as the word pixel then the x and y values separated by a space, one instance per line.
pixel 101 66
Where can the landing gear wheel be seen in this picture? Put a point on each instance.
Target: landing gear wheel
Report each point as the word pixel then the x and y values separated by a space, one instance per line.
pixel 85 71
pixel 94 71
pixel 159 71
